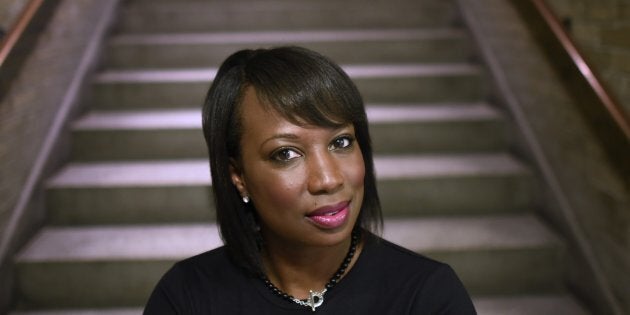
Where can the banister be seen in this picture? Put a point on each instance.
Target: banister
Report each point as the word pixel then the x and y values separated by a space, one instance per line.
pixel 617 113
pixel 20 39
pixel 10 40
pixel 601 110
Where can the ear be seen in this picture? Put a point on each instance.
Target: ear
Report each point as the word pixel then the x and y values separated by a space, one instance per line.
pixel 237 178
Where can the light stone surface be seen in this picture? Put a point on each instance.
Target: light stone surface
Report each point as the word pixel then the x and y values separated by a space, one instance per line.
pixel 10 11
pixel 527 305
pixel 354 71
pixel 287 37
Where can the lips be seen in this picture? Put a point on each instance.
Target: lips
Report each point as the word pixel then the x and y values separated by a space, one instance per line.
pixel 330 217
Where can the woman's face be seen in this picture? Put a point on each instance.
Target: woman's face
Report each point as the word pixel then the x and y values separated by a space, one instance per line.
pixel 306 182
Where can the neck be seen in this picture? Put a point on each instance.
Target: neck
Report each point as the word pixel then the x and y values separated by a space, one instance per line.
pixel 296 269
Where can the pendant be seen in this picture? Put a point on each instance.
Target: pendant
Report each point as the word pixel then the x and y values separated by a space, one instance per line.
pixel 315 299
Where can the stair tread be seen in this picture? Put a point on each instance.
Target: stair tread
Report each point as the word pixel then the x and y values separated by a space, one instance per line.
pixel 206 48
pixel 202 15
pixel 289 37
pixel 529 304
pixel 120 242
pixel 178 241
pixel 468 233
pixel 354 71
pixel 196 172
pixel 191 118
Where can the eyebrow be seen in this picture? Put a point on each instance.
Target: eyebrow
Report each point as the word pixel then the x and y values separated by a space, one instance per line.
pixel 281 136
pixel 293 136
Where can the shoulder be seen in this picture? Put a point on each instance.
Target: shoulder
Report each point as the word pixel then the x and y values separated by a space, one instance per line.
pixel 395 257
pixel 212 264
pixel 182 284
pixel 208 261
pixel 428 283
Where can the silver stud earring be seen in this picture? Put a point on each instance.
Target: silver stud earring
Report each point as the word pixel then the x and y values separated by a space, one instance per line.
pixel 246 199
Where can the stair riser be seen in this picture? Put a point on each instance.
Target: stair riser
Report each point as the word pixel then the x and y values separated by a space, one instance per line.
pixel 456 195
pixel 204 16
pixel 507 272
pixel 464 136
pixel 72 284
pixel 343 52
pixel 455 88
pixel 421 196
pixel 130 205
pixel 439 137
pixel 129 283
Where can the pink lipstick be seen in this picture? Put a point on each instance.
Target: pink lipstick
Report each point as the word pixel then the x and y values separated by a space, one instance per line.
pixel 330 217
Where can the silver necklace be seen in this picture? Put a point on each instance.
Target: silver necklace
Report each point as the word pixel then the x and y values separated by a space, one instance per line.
pixel 316 298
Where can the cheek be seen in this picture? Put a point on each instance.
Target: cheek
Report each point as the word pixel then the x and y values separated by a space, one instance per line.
pixel 276 190
pixel 355 173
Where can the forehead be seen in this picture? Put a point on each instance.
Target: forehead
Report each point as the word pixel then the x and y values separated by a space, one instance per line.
pixel 260 121
pixel 255 114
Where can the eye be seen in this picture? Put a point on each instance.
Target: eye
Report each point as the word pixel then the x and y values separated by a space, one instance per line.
pixel 285 155
pixel 342 142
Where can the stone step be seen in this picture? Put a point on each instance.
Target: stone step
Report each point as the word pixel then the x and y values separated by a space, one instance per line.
pixel 529 305
pixel 495 305
pixel 121 264
pixel 393 83
pixel 179 190
pixel 210 49
pixel 168 134
pixel 204 16
pixel 504 245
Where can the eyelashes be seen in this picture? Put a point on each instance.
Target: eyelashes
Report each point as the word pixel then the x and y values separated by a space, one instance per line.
pixel 342 142
pixel 288 154
pixel 285 154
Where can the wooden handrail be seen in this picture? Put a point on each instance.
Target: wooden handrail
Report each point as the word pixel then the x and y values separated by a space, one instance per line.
pixel 20 39
pixel 615 110
pixel 11 38
pixel 602 113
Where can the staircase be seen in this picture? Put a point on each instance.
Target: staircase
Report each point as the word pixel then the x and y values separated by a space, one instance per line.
pixel 135 197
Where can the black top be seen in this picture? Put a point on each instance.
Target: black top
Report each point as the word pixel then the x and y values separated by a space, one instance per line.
pixel 386 279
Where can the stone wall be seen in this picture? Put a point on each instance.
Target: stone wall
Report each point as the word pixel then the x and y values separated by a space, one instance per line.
pixel 28 111
pixel 601 29
pixel 9 12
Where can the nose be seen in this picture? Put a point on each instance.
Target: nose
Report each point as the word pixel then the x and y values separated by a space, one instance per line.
pixel 324 174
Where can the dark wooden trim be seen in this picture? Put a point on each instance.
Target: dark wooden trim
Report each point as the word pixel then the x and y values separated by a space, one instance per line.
pixel 598 106
pixel 20 40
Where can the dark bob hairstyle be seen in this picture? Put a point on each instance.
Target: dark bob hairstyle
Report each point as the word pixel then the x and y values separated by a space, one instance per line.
pixel 307 89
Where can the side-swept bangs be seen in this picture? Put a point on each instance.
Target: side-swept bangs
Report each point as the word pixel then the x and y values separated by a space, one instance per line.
pixel 304 87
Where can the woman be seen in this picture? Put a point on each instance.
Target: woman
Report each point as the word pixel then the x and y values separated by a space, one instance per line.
pixel 297 205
